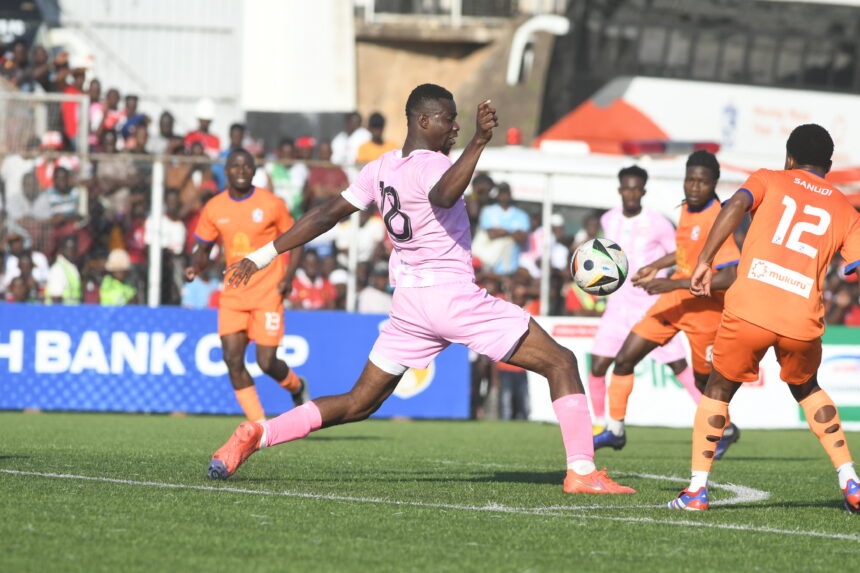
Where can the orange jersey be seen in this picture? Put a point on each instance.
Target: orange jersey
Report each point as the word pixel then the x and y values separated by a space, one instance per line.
pixel 690 237
pixel 243 226
pixel 799 222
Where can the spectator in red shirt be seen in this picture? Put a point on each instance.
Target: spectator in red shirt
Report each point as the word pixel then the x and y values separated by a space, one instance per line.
pixel 205 114
pixel 71 111
pixel 311 289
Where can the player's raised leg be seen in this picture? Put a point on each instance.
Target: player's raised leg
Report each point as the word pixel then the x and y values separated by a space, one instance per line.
pixel 372 388
pixel 538 352
pixel 233 346
pixel 634 349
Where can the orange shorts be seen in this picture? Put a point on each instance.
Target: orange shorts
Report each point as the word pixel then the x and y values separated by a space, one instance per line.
pixel 740 346
pixel 265 326
pixel 679 310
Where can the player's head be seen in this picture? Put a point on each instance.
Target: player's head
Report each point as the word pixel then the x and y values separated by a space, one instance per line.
pixel 237 134
pixel 631 187
pixel 240 170
pixel 809 145
pixel 700 182
pixel 431 115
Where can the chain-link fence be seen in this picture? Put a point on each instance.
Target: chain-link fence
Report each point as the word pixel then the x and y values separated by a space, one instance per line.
pixel 64 192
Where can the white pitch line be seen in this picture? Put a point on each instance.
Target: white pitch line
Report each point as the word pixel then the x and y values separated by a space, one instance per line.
pixel 492 508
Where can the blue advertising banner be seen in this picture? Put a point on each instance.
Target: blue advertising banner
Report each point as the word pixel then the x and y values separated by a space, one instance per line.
pixel 137 359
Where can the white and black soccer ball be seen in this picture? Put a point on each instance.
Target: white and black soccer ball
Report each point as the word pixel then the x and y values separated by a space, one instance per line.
pixel 599 266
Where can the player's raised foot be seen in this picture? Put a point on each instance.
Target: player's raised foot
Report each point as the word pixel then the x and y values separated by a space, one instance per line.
pixel 731 435
pixel 244 442
pixel 691 500
pixel 851 493
pixel 595 482
pixel 301 395
pixel 607 439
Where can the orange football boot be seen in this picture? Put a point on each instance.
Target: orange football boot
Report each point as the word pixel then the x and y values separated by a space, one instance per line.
pixel 595 482
pixel 244 442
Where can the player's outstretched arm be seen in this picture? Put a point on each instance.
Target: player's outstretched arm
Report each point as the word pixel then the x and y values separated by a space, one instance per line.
pixel 727 221
pixel 315 222
pixel 649 272
pixel 453 183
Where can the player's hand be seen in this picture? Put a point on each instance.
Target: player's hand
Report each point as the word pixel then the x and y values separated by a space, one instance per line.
pixel 285 287
pixel 190 274
pixel 242 271
pixel 658 286
pixel 700 281
pixel 485 122
pixel 644 275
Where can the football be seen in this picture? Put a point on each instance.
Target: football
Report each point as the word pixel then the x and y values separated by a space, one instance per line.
pixel 599 266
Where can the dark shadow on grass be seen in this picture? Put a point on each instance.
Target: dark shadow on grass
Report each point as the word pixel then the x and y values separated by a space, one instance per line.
pixel 14 457
pixel 829 504
pixel 554 478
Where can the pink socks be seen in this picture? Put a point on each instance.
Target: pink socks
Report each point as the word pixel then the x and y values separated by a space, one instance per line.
pixel 293 425
pixel 688 381
pixel 597 393
pixel 575 422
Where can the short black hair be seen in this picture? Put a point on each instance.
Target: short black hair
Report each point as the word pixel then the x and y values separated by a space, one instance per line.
pixel 633 171
pixel 425 92
pixel 286 141
pixel 704 158
pixel 240 151
pixel 240 126
pixel 810 144
pixel 484 178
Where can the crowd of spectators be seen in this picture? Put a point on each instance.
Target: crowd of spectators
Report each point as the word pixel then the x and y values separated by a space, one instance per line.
pixel 70 234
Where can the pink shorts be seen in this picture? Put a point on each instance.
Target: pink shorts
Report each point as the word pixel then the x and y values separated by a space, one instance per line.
pixel 613 331
pixel 425 320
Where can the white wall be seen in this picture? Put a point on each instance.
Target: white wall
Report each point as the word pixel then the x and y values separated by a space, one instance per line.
pixel 169 52
pixel 298 56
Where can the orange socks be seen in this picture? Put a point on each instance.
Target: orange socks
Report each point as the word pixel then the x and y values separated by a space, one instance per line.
pixel 712 417
pixel 291 382
pixel 823 419
pixel 250 403
pixel 620 388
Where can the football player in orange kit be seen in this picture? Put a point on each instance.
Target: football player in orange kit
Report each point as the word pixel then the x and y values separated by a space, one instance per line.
pixel 245 218
pixel 799 222
pixel 676 309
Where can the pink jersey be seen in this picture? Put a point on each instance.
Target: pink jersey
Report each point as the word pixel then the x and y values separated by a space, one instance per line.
pixel 432 245
pixel 644 238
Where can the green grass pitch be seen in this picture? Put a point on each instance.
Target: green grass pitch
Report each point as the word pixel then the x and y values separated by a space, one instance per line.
pixel 103 492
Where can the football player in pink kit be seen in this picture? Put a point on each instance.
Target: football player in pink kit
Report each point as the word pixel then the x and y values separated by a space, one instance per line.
pixel 419 193
pixel 645 235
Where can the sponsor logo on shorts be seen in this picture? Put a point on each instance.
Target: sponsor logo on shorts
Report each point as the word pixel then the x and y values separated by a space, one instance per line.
pixel 415 381
pixel 780 277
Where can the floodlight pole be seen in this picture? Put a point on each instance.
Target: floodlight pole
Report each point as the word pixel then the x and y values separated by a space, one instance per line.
pixel 155 215
pixel 546 227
